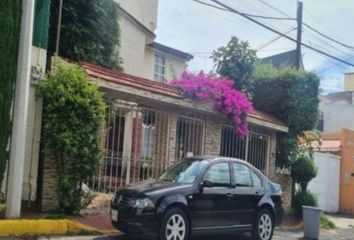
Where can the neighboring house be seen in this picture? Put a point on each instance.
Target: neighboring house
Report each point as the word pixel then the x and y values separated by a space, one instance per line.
pixel 142 56
pixel 335 181
pixel 285 59
pixel 336 112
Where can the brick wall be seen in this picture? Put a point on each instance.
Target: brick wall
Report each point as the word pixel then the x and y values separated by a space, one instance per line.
pixel 136 146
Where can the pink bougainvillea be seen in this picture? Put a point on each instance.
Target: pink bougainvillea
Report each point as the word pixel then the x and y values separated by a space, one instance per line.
pixel 228 101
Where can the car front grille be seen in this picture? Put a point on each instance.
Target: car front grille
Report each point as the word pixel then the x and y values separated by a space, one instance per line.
pixel 123 200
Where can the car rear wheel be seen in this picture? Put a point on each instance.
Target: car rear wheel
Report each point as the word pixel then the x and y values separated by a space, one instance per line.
pixel 175 225
pixel 264 226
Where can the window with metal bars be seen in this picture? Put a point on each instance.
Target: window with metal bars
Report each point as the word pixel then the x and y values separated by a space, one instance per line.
pixel 189 137
pixel 252 148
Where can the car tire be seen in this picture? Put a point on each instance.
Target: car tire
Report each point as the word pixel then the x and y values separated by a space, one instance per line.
pixel 264 225
pixel 174 225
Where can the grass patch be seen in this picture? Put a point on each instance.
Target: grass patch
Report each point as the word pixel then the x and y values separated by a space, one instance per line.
pixel 326 223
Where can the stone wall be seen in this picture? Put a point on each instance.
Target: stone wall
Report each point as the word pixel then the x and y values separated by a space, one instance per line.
pixel 49 202
pixel 281 177
pixel 212 136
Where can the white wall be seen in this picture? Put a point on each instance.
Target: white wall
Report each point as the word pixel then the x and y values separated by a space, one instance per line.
pixel 174 66
pixel 33 131
pixel 326 184
pixel 133 45
pixel 145 11
pixel 337 115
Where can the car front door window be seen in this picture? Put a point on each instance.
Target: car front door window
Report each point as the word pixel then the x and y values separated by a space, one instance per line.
pixel 219 175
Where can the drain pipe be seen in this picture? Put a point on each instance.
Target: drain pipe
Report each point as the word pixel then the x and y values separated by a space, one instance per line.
pixel 20 109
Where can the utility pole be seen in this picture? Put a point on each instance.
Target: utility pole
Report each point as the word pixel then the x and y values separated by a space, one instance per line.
pixel 20 109
pixel 299 34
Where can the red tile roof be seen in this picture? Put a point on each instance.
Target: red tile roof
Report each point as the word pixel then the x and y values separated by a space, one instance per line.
pixel 156 87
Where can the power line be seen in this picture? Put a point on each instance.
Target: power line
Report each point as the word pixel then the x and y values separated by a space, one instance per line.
pixel 248 14
pixel 329 38
pixel 308 26
pixel 279 33
pixel 275 9
pixel 333 66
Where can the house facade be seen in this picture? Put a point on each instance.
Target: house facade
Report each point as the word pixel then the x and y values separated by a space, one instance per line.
pixel 150 125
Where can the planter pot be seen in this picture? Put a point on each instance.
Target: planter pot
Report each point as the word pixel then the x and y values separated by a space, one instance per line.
pixel 312 222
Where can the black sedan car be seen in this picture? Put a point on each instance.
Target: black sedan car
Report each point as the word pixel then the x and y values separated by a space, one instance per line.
pixel 200 196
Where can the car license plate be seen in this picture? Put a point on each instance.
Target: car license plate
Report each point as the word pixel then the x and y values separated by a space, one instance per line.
pixel 114 215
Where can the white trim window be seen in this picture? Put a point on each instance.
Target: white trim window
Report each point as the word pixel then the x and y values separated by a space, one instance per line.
pixel 159 68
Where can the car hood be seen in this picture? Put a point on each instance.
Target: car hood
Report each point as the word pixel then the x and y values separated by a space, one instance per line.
pixel 150 187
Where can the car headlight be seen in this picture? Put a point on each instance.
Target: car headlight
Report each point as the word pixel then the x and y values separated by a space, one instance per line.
pixel 143 203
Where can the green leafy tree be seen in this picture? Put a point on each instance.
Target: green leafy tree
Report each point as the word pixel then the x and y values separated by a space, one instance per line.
pixel 89 32
pixel 73 112
pixel 291 96
pixel 236 61
pixel 288 94
pixel 10 17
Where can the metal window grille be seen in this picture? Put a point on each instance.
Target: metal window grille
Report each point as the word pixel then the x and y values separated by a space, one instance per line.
pixel 134 143
pixel 189 136
pixel 257 152
pixel 252 148
pixel 231 144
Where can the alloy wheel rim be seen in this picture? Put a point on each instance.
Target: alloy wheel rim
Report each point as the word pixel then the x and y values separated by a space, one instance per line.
pixel 265 227
pixel 176 228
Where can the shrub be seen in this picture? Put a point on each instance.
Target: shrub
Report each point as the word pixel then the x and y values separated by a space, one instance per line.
pixel 73 113
pixel 303 169
pixel 304 198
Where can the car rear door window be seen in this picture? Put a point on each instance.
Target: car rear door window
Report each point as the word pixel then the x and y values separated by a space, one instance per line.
pixel 242 175
pixel 219 174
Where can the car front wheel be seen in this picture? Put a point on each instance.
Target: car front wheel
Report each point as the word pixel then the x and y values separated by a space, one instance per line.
pixel 264 226
pixel 175 225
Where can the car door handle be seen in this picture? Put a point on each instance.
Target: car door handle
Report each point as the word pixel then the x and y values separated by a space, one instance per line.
pixel 229 196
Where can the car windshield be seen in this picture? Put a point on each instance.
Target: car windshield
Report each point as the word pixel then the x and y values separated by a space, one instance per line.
pixel 185 172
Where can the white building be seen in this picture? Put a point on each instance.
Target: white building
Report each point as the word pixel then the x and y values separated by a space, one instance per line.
pixel 142 56
pixel 337 111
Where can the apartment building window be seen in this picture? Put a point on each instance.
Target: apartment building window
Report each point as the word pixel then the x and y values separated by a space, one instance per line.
pixel 159 69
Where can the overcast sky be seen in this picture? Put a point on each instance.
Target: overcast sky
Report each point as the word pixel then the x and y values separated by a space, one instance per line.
pixel 198 29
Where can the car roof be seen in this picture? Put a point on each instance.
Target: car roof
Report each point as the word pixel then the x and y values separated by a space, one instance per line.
pixel 214 158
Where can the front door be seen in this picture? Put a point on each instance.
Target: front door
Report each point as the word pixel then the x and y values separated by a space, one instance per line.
pixel 211 206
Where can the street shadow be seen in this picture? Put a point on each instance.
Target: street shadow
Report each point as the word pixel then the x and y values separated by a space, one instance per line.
pixel 211 237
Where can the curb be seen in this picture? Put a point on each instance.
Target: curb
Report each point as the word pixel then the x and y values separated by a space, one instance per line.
pixel 42 227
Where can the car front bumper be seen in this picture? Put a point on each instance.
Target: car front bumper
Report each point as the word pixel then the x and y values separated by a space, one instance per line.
pixel 136 224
